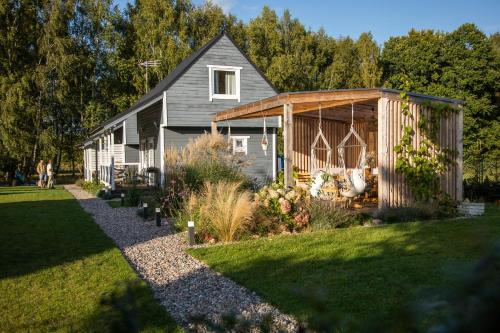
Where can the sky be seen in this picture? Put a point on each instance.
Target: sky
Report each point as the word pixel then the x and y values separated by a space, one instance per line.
pixel 382 18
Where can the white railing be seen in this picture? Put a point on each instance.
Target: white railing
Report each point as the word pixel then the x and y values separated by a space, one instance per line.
pixel 107 174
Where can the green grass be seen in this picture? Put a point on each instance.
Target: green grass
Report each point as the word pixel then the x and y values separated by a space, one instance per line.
pixel 369 274
pixel 114 203
pixel 56 265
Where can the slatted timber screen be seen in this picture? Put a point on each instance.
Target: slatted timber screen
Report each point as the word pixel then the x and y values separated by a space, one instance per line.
pixel 393 190
pixel 305 131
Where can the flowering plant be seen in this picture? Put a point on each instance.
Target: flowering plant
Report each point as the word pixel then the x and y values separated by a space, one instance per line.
pixel 174 194
pixel 285 205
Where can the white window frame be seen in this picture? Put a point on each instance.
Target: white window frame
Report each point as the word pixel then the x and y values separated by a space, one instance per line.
pixel 244 148
pixel 212 95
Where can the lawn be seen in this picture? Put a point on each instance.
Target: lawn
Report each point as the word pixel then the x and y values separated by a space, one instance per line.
pixel 56 267
pixel 368 274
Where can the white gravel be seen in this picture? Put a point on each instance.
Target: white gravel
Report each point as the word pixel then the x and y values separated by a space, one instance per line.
pixel 184 285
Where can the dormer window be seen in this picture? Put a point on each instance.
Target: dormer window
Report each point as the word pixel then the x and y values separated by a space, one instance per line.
pixel 224 82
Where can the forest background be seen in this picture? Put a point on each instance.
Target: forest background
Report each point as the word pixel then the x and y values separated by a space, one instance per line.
pixel 67 65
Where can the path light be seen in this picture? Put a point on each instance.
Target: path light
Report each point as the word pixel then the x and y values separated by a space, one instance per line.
pixel 145 210
pixel 191 233
pixel 123 198
pixel 158 217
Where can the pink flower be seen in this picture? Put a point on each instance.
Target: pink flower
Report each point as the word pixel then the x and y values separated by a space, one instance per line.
pixel 285 206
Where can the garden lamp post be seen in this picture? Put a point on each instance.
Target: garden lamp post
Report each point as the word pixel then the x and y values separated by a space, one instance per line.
pixel 191 233
pixel 158 217
pixel 145 210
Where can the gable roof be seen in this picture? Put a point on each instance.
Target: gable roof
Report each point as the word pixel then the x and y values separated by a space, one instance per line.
pixel 172 77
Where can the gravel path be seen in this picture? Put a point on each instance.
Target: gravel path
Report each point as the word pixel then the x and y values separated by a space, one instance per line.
pixel 184 285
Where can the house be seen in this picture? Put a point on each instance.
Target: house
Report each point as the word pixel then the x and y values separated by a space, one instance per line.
pixel 216 77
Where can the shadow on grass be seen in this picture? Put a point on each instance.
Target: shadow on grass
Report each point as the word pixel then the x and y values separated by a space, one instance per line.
pixel 129 307
pixel 369 274
pixel 35 235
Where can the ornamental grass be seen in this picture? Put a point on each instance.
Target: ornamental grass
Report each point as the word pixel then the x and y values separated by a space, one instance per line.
pixel 221 210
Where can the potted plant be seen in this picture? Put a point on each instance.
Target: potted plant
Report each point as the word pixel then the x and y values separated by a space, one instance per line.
pixel 469 208
pixel 371 162
pixel 264 143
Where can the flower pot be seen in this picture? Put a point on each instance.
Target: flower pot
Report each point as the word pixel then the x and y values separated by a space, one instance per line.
pixel 471 208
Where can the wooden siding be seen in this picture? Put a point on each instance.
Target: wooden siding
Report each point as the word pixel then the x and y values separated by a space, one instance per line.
pixel 393 190
pixel 305 131
pixel 260 165
pixel 131 153
pixel 188 99
pixel 131 132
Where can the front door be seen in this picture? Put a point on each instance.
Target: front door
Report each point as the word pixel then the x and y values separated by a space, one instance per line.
pixel 147 154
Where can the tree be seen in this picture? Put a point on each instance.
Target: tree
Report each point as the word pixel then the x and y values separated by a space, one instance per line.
pixel 460 64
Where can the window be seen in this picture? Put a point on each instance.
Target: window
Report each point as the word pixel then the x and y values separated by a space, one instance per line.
pixel 240 144
pixel 118 139
pixel 224 82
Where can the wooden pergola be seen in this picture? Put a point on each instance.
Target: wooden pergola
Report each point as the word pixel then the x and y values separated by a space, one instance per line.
pixel 381 106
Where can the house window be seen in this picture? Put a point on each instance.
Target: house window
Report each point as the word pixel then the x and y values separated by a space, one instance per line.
pixel 224 82
pixel 240 144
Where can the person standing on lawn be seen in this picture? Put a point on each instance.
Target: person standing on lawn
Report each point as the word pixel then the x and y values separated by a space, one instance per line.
pixel 41 170
pixel 50 173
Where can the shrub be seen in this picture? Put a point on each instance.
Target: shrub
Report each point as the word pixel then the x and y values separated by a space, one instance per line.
pixel 79 182
pixel 286 208
pixel 92 187
pixel 404 214
pixel 207 158
pixel 133 197
pixel 173 196
pixel 151 209
pixel 221 211
pixel 213 171
pixel 325 215
pixel 441 207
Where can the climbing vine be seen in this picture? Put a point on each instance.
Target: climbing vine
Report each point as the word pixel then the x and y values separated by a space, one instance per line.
pixel 422 165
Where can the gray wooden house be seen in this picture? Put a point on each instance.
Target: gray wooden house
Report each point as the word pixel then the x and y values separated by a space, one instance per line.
pixel 216 77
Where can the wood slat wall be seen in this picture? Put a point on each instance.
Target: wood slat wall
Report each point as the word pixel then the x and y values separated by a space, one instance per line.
pixel 305 131
pixel 392 187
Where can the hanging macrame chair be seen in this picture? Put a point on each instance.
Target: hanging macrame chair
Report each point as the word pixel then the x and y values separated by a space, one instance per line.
pixel 228 130
pixel 355 182
pixel 314 148
pixel 264 142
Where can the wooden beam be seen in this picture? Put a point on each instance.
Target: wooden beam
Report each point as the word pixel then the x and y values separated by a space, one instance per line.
pixel 297 98
pixel 460 153
pixel 213 126
pixel 335 95
pixel 288 143
pixel 250 108
pixel 313 106
pixel 309 107
pixel 382 152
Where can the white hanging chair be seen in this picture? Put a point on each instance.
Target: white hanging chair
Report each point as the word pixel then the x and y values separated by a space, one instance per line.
pixel 355 183
pixel 314 161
